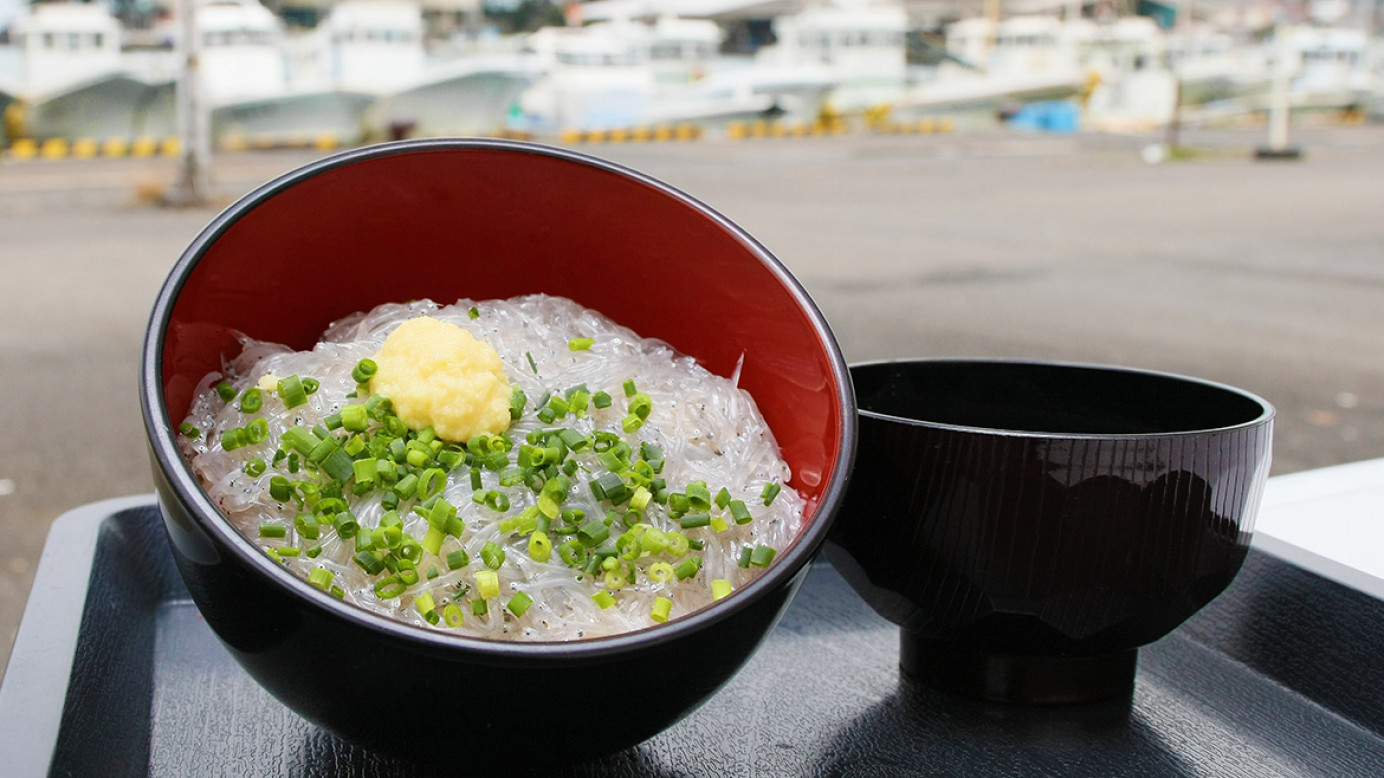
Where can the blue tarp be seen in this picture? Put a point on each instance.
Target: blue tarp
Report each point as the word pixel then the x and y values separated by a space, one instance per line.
pixel 1047 116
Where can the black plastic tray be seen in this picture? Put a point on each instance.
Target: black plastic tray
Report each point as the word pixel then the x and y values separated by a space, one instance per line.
pixel 1279 676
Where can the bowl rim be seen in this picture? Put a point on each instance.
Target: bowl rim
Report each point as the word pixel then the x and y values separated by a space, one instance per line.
pixel 1266 414
pixel 228 539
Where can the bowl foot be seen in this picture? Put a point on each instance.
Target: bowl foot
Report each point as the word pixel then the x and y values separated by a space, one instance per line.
pixel 1022 680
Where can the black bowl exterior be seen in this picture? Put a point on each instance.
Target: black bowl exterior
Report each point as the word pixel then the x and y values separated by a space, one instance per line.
pixel 1039 544
pixel 427 700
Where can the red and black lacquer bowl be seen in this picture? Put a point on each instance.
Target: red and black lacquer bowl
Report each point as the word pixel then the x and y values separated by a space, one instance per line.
pixel 1029 525
pixel 447 219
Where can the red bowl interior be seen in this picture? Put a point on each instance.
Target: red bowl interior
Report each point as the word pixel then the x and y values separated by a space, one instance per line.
pixel 447 220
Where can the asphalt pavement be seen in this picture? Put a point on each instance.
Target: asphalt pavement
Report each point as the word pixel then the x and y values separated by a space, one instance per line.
pixel 1265 275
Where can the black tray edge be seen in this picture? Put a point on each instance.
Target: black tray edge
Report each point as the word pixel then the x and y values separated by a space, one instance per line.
pixel 1325 567
pixel 34 689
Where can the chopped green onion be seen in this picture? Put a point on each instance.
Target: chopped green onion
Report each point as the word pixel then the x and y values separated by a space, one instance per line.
pixel 660 572
pixel 641 405
pixel 311 385
pixel 662 608
pixel 580 344
pixel 280 489
pixel 479 607
pixel 762 556
pixel 601 400
pixel 611 487
pixel 745 554
pixel 369 562
pixel 347 528
pixel 519 604
pixel 474 313
pixel 189 431
pixel 406 486
pixel 540 548
pixel 354 446
pixel 299 439
pixel 410 549
pixel 257 431
pixel 233 439
pixel 677 544
pixel 256 467
pixel 432 540
pixel 720 588
pixel 307 526
pixel 532 366
pixel 630 389
pixel 364 371
pixel 272 529
pixel 698 496
pixel 320 577
pixel 339 465
pixel 631 423
pixel 497 501
pixel 452 615
pixel 740 512
pixel 688 567
pixel 390 587
pixel 723 498
pixel 416 457
pixel 604 599
pixel 225 391
pixel 487 584
pixel 614 579
pixel 292 392
pixel 593 532
pixel 365 470
pixel 457 559
pixel 252 400
pixel 354 417
pixel 493 555
pixel 718 524
pixel 424 604
pixel 431 482
pixel 694 520
pixel 771 491
pixel 572 552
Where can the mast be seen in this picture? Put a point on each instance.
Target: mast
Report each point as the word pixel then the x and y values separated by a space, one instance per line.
pixel 193 119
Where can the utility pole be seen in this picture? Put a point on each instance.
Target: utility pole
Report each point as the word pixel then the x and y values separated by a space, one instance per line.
pixel 1280 105
pixel 1184 24
pixel 193 182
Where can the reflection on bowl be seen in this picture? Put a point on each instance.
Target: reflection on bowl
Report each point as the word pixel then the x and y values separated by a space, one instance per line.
pixel 1029 525
pixel 483 220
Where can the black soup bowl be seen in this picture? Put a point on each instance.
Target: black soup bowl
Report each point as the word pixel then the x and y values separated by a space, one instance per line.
pixel 1029 525
pixel 447 219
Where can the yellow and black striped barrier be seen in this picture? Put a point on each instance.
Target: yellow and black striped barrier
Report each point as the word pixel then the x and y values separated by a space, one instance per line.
pixel 146 147
pixel 24 149
pixel 659 133
pixel 830 126
pixel 325 141
pixel 928 125
pixel 90 148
